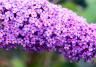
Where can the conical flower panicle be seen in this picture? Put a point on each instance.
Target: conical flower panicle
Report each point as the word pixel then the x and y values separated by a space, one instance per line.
pixel 38 25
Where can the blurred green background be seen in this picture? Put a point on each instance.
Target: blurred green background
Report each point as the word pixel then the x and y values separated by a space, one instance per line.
pixel 19 58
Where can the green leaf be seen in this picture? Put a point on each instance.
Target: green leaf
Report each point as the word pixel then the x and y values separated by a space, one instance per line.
pixel 70 5
pixel 89 13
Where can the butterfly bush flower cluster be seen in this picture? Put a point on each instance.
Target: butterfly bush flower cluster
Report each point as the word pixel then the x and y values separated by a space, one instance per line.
pixel 38 25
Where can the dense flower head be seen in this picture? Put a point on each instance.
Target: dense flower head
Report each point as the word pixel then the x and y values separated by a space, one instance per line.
pixel 38 25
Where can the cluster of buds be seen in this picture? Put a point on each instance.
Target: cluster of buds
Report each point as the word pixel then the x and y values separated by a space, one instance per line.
pixel 38 25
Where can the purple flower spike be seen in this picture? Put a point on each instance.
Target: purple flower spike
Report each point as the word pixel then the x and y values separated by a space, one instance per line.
pixel 38 25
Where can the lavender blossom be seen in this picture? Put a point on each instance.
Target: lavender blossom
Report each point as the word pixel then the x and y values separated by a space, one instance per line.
pixel 38 25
